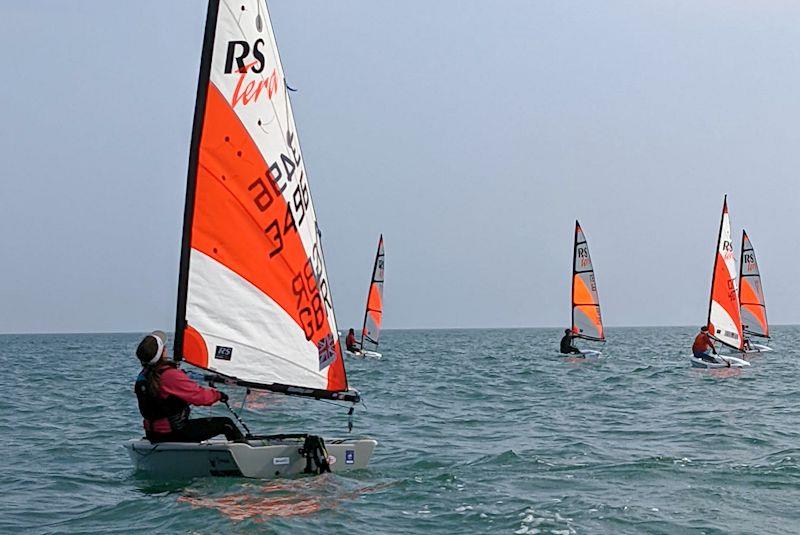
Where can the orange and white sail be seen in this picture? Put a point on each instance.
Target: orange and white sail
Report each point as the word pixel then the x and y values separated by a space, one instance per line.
pixel 724 321
pixel 254 298
pixel 753 307
pixel 586 319
pixel 371 331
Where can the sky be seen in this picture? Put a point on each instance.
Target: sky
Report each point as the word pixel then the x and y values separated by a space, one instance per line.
pixel 471 134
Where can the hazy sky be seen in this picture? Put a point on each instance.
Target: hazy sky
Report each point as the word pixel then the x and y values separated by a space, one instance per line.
pixel 472 134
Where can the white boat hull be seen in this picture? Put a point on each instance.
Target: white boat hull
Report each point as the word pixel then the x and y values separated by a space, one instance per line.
pixel 258 458
pixel 362 354
pixel 758 348
pixel 734 362
pixel 584 353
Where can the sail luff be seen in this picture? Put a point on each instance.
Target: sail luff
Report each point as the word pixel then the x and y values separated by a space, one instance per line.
pixel 572 286
pixel 191 180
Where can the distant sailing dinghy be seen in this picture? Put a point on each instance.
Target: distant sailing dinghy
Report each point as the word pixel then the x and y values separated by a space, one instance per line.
pixel 373 315
pixel 724 323
pixel 254 301
pixel 751 299
pixel 587 323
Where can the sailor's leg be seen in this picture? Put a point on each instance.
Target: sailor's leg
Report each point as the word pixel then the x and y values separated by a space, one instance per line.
pixel 199 429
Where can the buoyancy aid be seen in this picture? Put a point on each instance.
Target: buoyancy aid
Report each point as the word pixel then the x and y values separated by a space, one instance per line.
pixel 153 407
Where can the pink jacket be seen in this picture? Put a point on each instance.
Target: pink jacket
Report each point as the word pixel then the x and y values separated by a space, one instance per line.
pixel 177 383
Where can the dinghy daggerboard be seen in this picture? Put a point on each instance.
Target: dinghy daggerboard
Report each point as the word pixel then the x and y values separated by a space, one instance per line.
pixel 751 293
pixel 586 319
pixel 724 323
pixel 373 315
pixel 254 299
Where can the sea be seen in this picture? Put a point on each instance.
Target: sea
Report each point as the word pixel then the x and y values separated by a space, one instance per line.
pixel 479 431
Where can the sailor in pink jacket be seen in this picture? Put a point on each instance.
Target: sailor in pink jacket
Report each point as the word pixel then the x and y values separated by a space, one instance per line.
pixel 166 393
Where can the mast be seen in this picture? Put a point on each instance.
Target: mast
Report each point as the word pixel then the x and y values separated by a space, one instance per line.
pixel 574 273
pixel 191 179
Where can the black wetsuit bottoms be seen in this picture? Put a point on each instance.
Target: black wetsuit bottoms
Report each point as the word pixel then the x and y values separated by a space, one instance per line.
pixel 200 429
pixel 567 348
pixel 706 357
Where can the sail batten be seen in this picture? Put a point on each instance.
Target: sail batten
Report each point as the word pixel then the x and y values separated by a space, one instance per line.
pixel 724 322
pixel 752 304
pixel 373 314
pixel 587 321
pixel 254 301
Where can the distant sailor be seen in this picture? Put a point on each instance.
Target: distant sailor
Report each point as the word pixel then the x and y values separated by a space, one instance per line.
pixel 164 394
pixel 703 344
pixel 350 341
pixel 566 344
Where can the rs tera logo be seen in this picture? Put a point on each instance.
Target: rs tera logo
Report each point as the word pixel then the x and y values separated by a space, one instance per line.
pixel 240 51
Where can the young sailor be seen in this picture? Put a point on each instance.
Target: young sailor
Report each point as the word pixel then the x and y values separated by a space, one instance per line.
pixel 702 344
pixel 566 344
pixel 165 393
pixel 350 342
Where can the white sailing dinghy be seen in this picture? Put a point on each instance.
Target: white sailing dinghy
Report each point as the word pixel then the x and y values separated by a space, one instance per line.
pixel 373 315
pixel 254 300
pixel 724 323
pixel 753 307
pixel 587 323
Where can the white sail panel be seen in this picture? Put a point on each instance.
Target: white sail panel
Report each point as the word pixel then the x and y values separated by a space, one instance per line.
pixel 263 334
pixel 587 321
pixel 253 231
pixel 724 321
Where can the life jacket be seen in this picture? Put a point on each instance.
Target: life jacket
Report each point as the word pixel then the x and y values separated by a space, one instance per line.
pixel 702 343
pixel 154 407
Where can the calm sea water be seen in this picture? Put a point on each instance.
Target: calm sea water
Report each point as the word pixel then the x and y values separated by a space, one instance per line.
pixel 480 432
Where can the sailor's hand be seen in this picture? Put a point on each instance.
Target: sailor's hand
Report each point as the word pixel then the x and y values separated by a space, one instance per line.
pixel 223 397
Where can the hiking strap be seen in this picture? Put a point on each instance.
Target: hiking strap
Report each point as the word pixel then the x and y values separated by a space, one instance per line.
pixel 316 455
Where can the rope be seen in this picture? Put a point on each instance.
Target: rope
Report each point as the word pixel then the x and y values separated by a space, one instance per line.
pixel 249 434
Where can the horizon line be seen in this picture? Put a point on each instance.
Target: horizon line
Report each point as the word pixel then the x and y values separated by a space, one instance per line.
pixel 517 328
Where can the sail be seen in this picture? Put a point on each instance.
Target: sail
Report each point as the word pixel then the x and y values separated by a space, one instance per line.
pixel 371 331
pixel 751 294
pixel 254 298
pixel 724 322
pixel 586 320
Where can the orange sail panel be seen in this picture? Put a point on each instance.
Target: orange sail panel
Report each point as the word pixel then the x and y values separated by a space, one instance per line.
pixel 751 294
pixel 724 322
pixel 254 299
pixel 371 331
pixel 586 319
